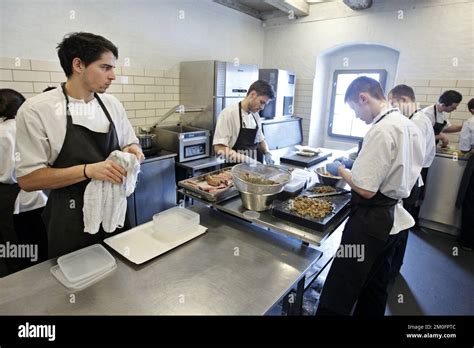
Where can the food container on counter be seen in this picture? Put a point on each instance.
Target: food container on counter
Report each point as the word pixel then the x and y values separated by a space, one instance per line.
pixel 86 263
pixel 174 223
pixel 299 178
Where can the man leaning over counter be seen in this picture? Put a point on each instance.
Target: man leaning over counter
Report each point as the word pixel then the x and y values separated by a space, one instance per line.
pixel 384 172
pixel 447 102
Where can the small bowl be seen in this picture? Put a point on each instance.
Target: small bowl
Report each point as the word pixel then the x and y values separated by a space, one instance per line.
pixel 326 178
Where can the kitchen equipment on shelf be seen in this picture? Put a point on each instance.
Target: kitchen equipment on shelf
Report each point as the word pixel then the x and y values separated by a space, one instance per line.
pixel 145 139
pixel 214 85
pixel 283 83
pixel 189 143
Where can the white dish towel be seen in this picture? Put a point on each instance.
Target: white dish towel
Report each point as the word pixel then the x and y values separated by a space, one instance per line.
pixel 106 202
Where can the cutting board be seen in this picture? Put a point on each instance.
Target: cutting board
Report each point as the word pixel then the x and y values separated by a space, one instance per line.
pixel 304 161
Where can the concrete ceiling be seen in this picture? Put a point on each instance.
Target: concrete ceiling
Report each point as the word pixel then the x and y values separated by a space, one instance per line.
pixel 265 9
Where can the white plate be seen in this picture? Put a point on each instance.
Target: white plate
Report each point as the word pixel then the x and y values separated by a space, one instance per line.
pixel 141 243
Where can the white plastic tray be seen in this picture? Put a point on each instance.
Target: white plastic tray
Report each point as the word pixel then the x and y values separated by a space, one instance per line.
pixel 142 243
pixel 85 263
pixel 81 285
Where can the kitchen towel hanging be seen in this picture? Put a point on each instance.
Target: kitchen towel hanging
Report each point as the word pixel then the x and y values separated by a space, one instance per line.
pixel 106 202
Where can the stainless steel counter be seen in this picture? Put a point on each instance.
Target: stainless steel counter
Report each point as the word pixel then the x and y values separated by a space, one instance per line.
pixel 235 268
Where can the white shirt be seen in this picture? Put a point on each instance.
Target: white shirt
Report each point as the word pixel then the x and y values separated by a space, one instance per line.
pixel 440 116
pixel 466 137
pixel 228 126
pixel 426 128
pixel 41 126
pixel 390 161
pixel 25 201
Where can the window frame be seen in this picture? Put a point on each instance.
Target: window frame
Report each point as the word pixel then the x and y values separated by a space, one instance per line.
pixel 383 83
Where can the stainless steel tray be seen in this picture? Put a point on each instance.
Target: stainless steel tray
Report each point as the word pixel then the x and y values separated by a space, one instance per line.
pixel 210 197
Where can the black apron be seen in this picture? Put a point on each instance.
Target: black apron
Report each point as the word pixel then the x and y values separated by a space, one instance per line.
pixel 438 127
pixel 8 195
pixel 373 216
pixel 63 215
pixel 369 224
pixel 246 140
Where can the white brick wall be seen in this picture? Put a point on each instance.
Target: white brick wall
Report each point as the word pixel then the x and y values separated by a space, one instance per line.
pixel 146 93
pixel 428 91
pixel 303 101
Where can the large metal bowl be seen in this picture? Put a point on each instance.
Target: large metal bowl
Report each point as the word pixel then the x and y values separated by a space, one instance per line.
pixel 270 172
pixel 257 202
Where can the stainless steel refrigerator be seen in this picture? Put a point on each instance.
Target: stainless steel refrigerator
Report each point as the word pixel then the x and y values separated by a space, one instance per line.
pixel 212 85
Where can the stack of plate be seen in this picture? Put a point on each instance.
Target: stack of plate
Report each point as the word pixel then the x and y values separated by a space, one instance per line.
pixel 84 267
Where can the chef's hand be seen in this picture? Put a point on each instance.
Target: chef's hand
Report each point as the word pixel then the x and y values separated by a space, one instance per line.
pixel 107 170
pixel 268 158
pixel 332 167
pixel 347 162
pixel 136 150
pixel 444 140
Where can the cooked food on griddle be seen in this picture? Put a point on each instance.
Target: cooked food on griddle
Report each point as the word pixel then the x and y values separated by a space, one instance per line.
pixel 322 189
pixel 213 183
pixel 253 179
pixel 223 178
pixel 311 207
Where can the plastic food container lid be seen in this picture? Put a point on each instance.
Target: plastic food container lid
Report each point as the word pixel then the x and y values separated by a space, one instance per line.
pixel 85 263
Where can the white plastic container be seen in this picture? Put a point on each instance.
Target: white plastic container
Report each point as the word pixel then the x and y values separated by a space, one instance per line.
pixel 86 263
pixel 174 224
pixel 299 177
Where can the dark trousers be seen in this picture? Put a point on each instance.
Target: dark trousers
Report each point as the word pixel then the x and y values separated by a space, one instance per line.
pixel 361 283
pixel 30 229
pixel 466 237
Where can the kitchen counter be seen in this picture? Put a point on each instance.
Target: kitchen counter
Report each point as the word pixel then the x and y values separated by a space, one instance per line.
pixel 234 269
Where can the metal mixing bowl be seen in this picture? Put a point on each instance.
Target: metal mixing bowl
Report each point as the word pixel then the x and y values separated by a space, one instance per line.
pixel 271 172
pixel 325 178
pixel 257 202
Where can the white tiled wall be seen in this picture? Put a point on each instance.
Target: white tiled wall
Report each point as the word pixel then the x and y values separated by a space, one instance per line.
pixel 303 101
pixel 427 92
pixel 146 93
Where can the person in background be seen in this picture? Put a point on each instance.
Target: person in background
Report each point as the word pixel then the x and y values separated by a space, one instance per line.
pixel 20 212
pixel 383 174
pixel 465 199
pixel 66 134
pixel 447 102
pixel 403 97
pixel 238 131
